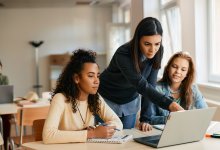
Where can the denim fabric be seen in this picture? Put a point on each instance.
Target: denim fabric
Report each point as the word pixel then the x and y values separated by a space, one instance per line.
pixel 126 112
pixel 156 115
pixel 124 109
pixel 128 121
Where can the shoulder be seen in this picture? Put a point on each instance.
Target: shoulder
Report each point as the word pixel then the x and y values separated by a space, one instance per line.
pixel 195 88
pixel 101 99
pixel 162 85
pixel 4 76
pixel 59 98
pixel 124 49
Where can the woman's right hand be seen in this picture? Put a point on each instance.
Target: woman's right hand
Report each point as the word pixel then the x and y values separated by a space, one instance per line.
pixel 175 107
pixel 101 132
pixel 143 126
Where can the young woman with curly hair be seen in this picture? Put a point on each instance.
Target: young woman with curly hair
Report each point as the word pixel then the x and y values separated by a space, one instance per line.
pixel 75 102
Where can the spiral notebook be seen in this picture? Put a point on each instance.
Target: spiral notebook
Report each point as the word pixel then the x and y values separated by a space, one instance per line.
pixel 113 140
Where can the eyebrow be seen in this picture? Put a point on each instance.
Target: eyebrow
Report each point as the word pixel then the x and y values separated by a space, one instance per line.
pixel 151 43
pixel 93 73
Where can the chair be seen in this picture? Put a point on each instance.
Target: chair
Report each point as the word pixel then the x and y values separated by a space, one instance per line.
pixel 38 129
pixel 26 117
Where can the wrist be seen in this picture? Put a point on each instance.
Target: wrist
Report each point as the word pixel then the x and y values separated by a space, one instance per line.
pixel 90 134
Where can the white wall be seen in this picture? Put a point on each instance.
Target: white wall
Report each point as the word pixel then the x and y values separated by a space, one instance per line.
pixel 151 8
pixel 62 30
pixel 136 14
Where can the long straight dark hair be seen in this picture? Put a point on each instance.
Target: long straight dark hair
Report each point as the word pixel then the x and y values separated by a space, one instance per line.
pixel 147 27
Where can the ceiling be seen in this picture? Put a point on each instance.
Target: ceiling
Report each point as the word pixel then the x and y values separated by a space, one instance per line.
pixel 53 3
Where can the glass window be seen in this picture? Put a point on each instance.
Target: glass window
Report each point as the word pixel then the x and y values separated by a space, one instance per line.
pixel 171 22
pixel 214 31
pixel 164 2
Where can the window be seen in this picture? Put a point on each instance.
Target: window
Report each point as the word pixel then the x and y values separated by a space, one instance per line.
pixel 171 22
pixel 214 32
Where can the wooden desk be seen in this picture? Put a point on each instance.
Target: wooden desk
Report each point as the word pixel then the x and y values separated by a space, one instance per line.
pixel 40 104
pixel 8 109
pixel 205 144
pixel 4 110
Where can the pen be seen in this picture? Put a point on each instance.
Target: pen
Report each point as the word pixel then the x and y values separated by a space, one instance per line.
pixel 104 124
pixel 212 135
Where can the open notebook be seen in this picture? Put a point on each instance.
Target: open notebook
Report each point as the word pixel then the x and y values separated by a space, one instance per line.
pixel 114 140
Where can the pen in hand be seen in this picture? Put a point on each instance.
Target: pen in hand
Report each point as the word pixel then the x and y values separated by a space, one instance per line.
pixel 104 124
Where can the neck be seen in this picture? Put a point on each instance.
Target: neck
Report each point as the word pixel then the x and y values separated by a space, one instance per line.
pixel 83 97
pixel 174 88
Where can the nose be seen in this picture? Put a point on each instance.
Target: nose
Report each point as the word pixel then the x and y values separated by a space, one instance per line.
pixel 178 70
pixel 153 48
pixel 96 81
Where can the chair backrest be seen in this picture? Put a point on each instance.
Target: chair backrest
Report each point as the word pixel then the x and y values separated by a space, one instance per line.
pixel 38 129
pixel 31 114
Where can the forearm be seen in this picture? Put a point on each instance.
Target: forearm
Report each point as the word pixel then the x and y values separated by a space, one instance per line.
pixel 51 135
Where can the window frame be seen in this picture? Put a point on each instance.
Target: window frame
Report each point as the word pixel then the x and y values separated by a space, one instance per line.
pixel 211 29
pixel 164 8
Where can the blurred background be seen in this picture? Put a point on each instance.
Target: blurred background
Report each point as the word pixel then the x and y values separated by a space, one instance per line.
pixel 102 26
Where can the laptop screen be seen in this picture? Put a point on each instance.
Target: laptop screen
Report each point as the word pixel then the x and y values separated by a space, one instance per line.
pixel 6 94
pixel 187 126
pixel 182 127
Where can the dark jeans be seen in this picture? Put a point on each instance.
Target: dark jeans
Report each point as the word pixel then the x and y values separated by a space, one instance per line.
pixel 6 128
pixel 128 121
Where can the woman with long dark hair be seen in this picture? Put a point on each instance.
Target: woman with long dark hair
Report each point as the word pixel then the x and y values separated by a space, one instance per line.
pixel 133 71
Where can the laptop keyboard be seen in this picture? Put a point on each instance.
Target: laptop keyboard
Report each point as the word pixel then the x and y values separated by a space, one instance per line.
pixel 152 139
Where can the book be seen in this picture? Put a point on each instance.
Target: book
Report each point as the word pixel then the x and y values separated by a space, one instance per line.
pixel 22 103
pixel 113 140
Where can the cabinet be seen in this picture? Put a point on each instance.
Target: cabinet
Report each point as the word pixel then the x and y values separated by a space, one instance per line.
pixel 57 63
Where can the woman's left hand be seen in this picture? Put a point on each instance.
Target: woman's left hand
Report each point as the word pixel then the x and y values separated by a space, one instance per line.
pixel 143 126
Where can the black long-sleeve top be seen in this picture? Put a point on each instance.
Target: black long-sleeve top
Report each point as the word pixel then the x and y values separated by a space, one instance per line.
pixel 120 82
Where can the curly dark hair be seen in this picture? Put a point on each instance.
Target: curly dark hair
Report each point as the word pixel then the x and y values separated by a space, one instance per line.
pixel 67 86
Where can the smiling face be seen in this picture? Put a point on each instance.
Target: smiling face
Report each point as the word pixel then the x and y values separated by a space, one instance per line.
pixel 178 70
pixel 87 80
pixel 149 45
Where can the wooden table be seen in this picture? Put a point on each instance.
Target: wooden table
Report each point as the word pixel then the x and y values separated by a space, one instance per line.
pixel 34 105
pixel 205 144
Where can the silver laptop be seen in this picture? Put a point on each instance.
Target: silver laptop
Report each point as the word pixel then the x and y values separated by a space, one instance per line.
pixel 181 127
pixel 6 94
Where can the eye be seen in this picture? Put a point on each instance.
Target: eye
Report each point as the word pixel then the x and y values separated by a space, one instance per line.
pixel 90 75
pixel 184 69
pixel 174 66
pixel 146 43
pixel 157 44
